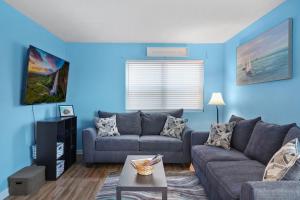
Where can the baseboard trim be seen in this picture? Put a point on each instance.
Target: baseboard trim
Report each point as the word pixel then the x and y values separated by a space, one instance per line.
pixel 79 152
pixel 4 194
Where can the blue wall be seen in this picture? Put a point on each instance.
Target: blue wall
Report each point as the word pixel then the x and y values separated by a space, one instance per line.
pixel 17 33
pixel 98 81
pixel 278 101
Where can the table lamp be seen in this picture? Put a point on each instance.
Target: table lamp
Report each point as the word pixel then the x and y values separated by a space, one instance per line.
pixel 216 100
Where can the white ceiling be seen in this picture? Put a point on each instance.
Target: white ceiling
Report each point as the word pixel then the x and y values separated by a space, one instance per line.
pixel 165 21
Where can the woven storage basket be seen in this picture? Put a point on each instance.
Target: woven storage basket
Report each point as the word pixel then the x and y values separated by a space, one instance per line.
pixel 144 170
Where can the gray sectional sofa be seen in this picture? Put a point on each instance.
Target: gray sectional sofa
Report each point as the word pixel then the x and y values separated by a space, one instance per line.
pixel 238 173
pixel 140 135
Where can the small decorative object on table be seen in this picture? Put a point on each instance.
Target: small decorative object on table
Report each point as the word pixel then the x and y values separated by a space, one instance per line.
pixel 145 166
pixel 66 110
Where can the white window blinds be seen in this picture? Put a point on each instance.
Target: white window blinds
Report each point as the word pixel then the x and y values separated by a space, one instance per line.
pixel 163 85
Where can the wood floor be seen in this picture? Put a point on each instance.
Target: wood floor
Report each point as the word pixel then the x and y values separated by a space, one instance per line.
pixel 81 183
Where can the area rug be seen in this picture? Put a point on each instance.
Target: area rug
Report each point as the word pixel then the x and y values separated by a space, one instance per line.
pixel 181 186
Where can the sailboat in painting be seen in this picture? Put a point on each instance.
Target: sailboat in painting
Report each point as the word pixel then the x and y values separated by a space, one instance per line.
pixel 248 68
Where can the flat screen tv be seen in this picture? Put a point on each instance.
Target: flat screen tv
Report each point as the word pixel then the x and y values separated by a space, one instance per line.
pixel 46 78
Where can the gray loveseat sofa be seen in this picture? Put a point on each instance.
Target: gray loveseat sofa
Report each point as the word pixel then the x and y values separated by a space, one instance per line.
pixel 238 173
pixel 140 135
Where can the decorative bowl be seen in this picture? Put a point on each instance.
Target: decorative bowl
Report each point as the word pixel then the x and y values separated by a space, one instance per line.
pixel 142 168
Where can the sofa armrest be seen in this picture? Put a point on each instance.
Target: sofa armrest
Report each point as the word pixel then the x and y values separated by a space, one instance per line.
pixel 199 138
pixel 186 135
pixel 260 190
pixel 186 138
pixel 88 138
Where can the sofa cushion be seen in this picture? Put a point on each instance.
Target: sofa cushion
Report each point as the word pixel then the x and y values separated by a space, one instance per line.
pixel 292 134
pixel 153 123
pixel 227 177
pixel 118 143
pixel 294 173
pixel 265 140
pixel 202 154
pixel 242 133
pixel 127 123
pixel 158 143
pixel 235 118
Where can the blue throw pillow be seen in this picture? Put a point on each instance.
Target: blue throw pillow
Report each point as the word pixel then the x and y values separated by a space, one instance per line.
pixel 242 132
pixel 292 134
pixel 265 140
pixel 153 123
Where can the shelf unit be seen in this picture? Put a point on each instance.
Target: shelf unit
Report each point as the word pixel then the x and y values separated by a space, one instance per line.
pixel 49 133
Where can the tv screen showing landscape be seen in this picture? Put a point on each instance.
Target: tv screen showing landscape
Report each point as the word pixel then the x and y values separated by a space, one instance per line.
pixel 46 78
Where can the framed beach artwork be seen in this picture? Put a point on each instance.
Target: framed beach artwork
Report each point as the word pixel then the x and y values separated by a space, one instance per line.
pixel 266 58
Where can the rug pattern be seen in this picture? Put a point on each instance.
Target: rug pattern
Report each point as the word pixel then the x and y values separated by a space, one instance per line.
pixel 181 186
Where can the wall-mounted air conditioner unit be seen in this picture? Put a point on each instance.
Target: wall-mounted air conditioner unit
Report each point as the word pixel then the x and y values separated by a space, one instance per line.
pixel 167 51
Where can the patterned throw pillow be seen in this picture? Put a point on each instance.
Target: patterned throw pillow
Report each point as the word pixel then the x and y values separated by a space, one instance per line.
pixel 220 135
pixel 173 127
pixel 107 126
pixel 282 161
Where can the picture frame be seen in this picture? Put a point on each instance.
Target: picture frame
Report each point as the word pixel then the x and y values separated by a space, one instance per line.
pixel 66 110
pixel 267 57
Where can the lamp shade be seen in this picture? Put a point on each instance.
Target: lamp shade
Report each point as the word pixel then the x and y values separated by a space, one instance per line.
pixel 216 99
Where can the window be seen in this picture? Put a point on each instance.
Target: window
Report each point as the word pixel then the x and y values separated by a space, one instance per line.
pixel 163 85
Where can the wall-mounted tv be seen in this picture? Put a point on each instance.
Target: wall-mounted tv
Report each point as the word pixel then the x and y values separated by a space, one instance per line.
pixel 46 78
